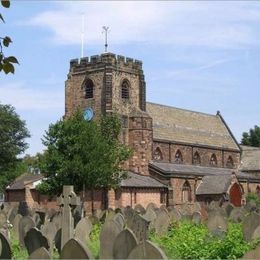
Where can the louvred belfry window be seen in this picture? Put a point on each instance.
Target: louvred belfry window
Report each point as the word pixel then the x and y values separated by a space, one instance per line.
pixel 89 89
pixel 125 90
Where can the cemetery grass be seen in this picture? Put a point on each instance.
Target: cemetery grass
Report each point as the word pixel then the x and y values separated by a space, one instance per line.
pixel 93 241
pixel 190 241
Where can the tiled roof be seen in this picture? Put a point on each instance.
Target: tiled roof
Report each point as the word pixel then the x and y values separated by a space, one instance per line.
pixel 26 178
pixel 214 185
pixel 180 125
pixel 142 181
pixel 250 159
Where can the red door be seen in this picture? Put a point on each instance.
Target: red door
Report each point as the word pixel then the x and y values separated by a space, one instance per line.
pixel 235 195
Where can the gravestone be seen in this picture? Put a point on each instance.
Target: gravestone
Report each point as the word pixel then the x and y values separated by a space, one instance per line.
pixel 3 219
pixel 77 213
pixel 5 252
pixel 119 219
pixel 56 219
pixel 25 224
pixel 196 218
pixel 124 243
pixel 238 214
pixel 13 211
pixel 83 230
pixel 252 254
pixel 16 225
pixel 49 230
pixel 250 206
pixel 37 220
pixel 34 240
pixel 147 250
pixel 139 226
pixel 151 205
pixel 228 208
pixel 162 223
pixel 174 215
pixel 74 249
pixel 140 209
pixel 23 208
pixel 57 240
pixel 108 234
pixel 250 224
pixel 150 216
pixel 217 223
pixel 256 233
pixel 40 253
pixel 67 201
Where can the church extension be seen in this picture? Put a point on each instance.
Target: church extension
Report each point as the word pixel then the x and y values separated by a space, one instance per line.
pixel 180 156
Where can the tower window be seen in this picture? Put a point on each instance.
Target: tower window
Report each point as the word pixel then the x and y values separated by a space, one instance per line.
pixel 125 90
pixel 213 160
pixel 196 158
pixel 157 155
pixel 89 89
pixel 178 157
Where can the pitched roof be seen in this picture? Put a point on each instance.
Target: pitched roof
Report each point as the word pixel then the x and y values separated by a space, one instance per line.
pixel 250 158
pixel 180 125
pixel 214 184
pixel 20 182
pixel 142 181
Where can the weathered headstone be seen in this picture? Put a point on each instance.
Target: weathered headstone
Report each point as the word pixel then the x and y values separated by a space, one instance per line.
pixel 175 215
pixel 16 225
pixel 37 219
pixel 256 233
pixel 67 201
pixel 40 253
pixel 56 219
pixel 108 234
pixel 3 219
pixel 147 250
pixel 13 211
pixel 250 223
pixel 119 219
pixel 23 208
pixel 139 208
pixel 217 223
pixel 5 252
pixel 162 223
pixel 74 249
pixel 228 207
pixel 196 218
pixel 25 224
pixel 77 213
pixel 124 243
pixel 49 230
pixel 238 214
pixel 34 240
pixel 83 230
pixel 250 206
pixel 57 240
pixel 150 216
pixel 152 206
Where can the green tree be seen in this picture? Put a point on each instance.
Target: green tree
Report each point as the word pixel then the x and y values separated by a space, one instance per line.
pixel 252 137
pixel 83 153
pixel 13 133
pixel 6 63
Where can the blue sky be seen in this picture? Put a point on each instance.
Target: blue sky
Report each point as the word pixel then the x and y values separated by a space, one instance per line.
pixel 203 56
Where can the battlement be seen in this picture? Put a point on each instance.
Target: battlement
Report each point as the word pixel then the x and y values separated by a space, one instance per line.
pixel 108 59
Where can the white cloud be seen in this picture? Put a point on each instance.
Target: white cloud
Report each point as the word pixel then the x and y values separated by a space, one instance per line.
pixel 23 97
pixel 210 24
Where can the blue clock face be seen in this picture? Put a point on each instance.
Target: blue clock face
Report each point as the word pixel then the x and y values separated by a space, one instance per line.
pixel 88 114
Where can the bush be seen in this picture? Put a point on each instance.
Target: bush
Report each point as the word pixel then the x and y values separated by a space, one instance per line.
pixel 93 241
pixel 255 197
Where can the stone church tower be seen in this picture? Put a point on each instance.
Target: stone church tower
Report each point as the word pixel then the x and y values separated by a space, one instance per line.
pixel 114 84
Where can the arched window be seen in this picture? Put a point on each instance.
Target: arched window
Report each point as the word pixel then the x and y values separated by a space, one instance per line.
pixel 213 160
pixel 178 157
pixel 257 189
pixel 196 158
pixel 186 192
pixel 89 89
pixel 125 90
pixel 157 155
pixel 230 163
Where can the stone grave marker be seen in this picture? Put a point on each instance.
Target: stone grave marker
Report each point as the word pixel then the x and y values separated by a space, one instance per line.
pixel 217 223
pixel 150 216
pixel 34 239
pixel 37 220
pixel 56 219
pixel 3 219
pixel 67 201
pixel 162 223
pixel 140 209
pixel 151 205
pixel 74 249
pixel 5 252
pixel 23 208
pixel 196 217
pixel 16 225
pixel 256 233
pixel 228 208
pixel 77 213
pixel 253 254
pixel 13 211
pixel 147 250
pixel 250 224
pixel 139 226
pixel 250 206
pixel 49 230
pixel 57 240
pixel 238 214
pixel 119 219
pixel 40 253
pixel 83 230
pixel 174 215
pixel 25 224
pixel 108 234
pixel 124 243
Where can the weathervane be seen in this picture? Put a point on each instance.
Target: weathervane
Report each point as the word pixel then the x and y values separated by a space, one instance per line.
pixel 105 30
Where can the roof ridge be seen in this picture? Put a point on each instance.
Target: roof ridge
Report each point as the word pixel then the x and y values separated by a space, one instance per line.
pixel 183 109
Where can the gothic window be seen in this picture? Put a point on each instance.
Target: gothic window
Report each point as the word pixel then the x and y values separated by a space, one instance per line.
pixel 178 157
pixel 196 158
pixel 186 192
pixel 157 155
pixel 258 189
pixel 213 160
pixel 125 90
pixel 89 89
pixel 230 163
pixel 162 197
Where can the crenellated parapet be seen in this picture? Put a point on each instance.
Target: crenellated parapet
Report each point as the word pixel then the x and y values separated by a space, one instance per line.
pixel 105 59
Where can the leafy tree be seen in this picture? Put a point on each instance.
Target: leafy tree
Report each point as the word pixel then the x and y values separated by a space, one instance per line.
pixel 6 63
pixel 83 153
pixel 12 143
pixel 252 137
